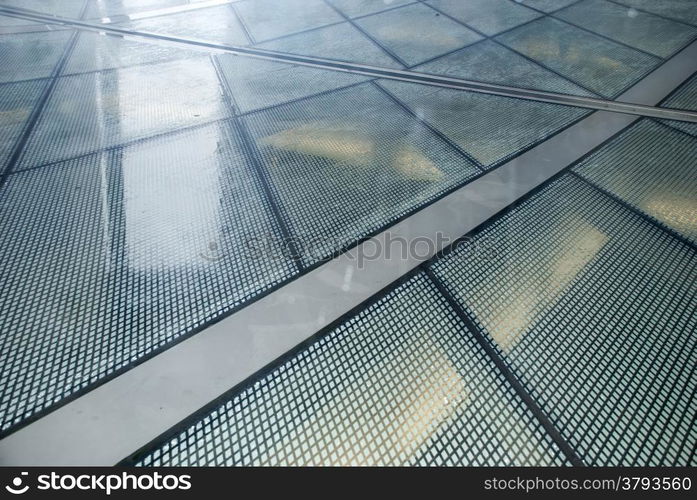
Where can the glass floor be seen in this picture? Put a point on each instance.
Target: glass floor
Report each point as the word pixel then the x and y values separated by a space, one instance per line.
pixel 172 167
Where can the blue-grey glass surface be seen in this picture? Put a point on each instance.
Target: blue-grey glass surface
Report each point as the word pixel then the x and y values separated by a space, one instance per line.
pixel 108 256
pixel 416 33
pixel 679 10
pixel 491 62
pixel 151 188
pixel 267 19
pixel 487 16
pixel 489 128
pixel 91 111
pixel 383 388
pixel 652 167
pixel 592 307
pixel 656 35
pixel 44 49
pixel 598 64
pixel 684 97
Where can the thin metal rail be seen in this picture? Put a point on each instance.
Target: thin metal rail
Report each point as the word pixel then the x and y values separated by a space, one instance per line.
pixel 377 72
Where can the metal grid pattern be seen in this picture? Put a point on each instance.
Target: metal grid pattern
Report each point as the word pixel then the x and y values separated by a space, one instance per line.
pixel 592 309
pixel 489 128
pixel 267 19
pixel 43 49
pixel 684 98
pixel 97 52
pixel 215 24
pixel 651 167
pixel 17 100
pixel 547 5
pixel 256 84
pixel 67 8
pixel 416 33
pixel 600 65
pixel 128 220
pixel 125 7
pixel 367 160
pixel 656 35
pixel 355 8
pixel 490 62
pixel 341 42
pixel 488 16
pixel 680 10
pixel 88 112
pixel 401 383
pixel 111 256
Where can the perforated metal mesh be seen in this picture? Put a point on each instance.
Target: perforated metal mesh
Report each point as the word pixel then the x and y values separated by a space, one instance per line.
pixel 124 7
pixel 416 33
pixel 490 128
pixel 490 62
pixel 651 167
pixel 684 98
pixel 17 101
pixel 216 24
pixel 680 10
pixel 353 8
pixel 257 83
pixel 66 8
pixel 592 307
pixel 653 34
pixel 347 163
pixel 488 16
pixel 600 65
pixel 43 49
pixel 341 42
pixel 401 383
pixel 267 19
pixel 96 52
pixel 92 111
pixel 110 256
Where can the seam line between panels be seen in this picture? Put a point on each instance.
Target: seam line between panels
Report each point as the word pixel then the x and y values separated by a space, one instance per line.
pixel 252 154
pixel 275 288
pixel 691 25
pixel 387 51
pixel 436 132
pixel 20 143
pixel 351 245
pixel 636 211
pixel 494 357
pixel 494 39
pixel 404 75
pixel 424 267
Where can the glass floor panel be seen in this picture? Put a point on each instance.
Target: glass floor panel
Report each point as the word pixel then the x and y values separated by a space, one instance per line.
pixel 373 152
pixel 562 297
pixel 591 306
pixel 685 97
pixel 600 65
pixel 150 188
pixel 404 382
pixel 678 10
pixel 655 35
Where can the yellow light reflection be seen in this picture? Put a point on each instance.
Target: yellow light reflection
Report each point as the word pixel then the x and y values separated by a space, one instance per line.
pixel 528 299
pixel 353 146
pixel 401 403
pixel 675 210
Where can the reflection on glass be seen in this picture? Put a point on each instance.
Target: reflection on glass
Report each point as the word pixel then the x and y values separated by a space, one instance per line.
pixel 352 145
pixel 169 224
pixel 529 296
pixel 429 395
